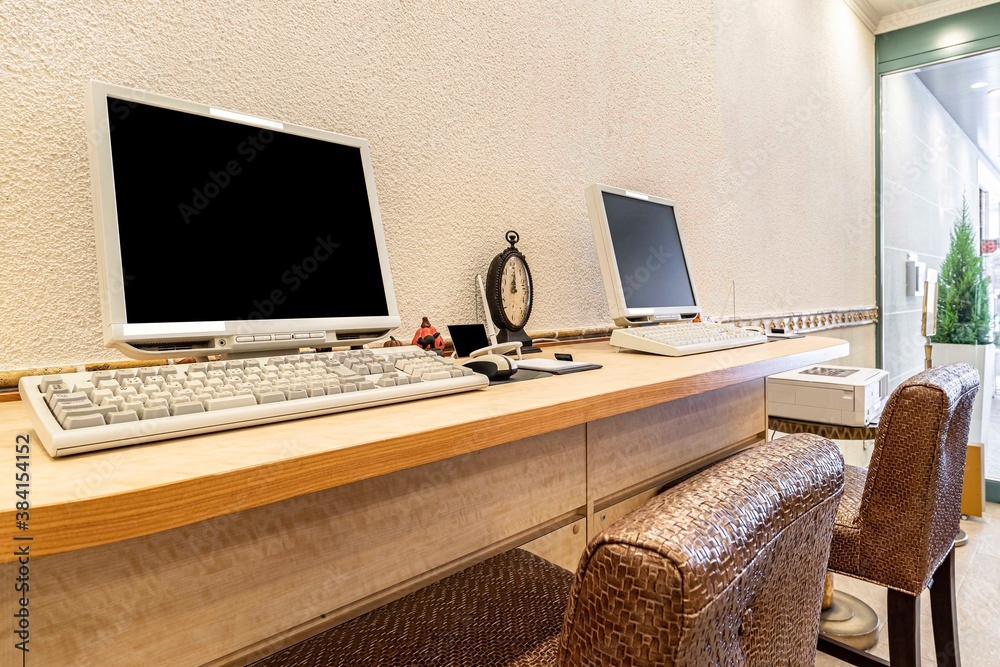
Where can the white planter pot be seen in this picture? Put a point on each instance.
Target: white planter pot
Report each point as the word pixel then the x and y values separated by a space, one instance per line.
pixel 983 358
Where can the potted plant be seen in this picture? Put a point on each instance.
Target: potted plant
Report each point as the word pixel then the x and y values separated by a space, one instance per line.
pixel 963 318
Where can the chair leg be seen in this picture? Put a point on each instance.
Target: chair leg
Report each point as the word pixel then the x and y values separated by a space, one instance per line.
pixel 943 613
pixel 904 629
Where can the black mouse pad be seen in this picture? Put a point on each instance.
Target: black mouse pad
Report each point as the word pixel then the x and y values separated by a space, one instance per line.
pixel 521 374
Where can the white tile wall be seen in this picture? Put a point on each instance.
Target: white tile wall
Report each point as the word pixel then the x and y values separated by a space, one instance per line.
pixel 927 165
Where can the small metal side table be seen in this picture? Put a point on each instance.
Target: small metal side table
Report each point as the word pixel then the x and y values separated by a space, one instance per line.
pixel 831 431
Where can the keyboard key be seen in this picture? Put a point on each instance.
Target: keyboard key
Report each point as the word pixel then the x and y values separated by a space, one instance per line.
pixel 65 397
pixel 146 373
pixel 86 410
pixel 154 412
pixel 97 376
pixel 116 401
pixel 122 417
pixel 86 387
pixel 57 388
pixel 98 395
pixel 270 397
pixel 229 402
pixel 186 408
pixel 61 409
pixel 83 421
pixel 134 382
pixel 50 380
pixel 125 392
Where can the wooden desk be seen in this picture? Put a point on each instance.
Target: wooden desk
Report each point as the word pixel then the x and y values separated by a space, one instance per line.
pixel 218 548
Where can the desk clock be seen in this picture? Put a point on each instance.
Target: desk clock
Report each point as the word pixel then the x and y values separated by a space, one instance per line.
pixel 509 294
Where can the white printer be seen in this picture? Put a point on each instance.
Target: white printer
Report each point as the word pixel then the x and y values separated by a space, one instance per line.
pixel 828 394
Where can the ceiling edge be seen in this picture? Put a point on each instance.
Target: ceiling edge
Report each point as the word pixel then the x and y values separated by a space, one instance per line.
pixel 936 10
pixel 865 12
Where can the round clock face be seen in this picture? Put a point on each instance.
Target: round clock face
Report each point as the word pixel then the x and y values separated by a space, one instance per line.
pixel 515 291
pixel 508 284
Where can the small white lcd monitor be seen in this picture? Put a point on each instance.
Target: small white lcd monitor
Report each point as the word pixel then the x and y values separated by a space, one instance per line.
pixel 641 253
pixel 221 233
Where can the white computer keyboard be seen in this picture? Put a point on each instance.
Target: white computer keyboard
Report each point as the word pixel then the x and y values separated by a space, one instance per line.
pixel 682 338
pixel 81 412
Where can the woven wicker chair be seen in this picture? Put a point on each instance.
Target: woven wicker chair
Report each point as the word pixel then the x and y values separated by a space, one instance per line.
pixel 897 522
pixel 725 568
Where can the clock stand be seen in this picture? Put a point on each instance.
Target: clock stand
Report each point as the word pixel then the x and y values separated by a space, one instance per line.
pixel 507 336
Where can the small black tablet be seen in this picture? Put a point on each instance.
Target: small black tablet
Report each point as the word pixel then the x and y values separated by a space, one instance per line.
pixel 467 338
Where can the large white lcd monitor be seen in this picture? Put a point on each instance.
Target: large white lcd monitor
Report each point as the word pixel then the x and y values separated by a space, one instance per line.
pixel 221 233
pixel 641 253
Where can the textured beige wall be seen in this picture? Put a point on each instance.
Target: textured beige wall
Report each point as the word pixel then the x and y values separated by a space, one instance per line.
pixel 756 116
pixel 862 342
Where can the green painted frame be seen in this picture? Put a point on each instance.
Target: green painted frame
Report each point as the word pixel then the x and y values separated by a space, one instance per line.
pixel 970 32
pixel 956 36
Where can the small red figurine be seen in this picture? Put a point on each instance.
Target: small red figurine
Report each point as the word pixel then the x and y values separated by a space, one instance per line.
pixel 427 337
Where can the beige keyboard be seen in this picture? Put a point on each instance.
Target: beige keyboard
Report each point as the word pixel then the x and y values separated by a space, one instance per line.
pixel 683 338
pixel 82 412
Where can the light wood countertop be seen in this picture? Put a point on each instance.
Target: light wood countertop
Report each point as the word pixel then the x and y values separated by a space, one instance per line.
pixel 101 497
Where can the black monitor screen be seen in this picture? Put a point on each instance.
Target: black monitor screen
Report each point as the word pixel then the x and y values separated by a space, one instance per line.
pixel 647 246
pixel 221 221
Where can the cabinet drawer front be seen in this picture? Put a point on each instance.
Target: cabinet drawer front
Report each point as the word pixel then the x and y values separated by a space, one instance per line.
pixel 626 450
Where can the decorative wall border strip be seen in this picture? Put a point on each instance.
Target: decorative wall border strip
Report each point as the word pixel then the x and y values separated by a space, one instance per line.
pixel 814 320
pixel 804 322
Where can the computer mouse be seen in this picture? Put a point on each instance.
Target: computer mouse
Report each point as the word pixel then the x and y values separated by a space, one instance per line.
pixel 493 366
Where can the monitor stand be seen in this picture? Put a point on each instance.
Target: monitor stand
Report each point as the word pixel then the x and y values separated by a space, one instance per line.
pixel 651 320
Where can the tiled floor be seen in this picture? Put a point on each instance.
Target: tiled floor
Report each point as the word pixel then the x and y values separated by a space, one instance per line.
pixel 977 572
